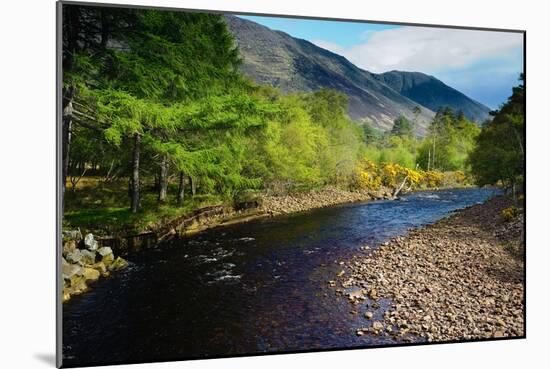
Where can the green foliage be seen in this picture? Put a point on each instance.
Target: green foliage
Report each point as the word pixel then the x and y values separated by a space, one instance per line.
pixel 510 213
pixel 499 157
pixel 402 127
pixel 451 137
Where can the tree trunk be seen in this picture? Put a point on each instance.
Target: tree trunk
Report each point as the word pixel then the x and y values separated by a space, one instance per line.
pixel 398 190
pixel 105 28
pixel 156 186
pixel 193 185
pixel 181 189
pixel 72 17
pixel 135 174
pixel 67 121
pixel 163 179
pixel 429 156
pixel 433 155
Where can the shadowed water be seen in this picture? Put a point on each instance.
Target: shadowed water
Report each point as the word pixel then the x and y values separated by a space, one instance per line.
pixel 244 289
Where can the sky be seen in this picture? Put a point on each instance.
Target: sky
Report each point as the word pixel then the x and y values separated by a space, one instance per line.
pixel 484 65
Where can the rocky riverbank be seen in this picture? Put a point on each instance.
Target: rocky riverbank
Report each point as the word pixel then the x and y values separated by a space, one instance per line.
pixel 460 278
pixel 254 208
pixel 83 262
pixel 325 197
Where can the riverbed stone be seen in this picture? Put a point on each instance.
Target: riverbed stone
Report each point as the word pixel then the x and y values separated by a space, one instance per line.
pixel 369 315
pixel 452 280
pixel 100 267
pixel 74 256
pixel 90 273
pixel 76 280
pixel 117 264
pixel 377 326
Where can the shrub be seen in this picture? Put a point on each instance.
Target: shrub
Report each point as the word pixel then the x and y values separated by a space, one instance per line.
pixel 509 213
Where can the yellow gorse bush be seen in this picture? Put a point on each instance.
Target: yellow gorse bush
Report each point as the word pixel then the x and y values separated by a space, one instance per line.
pixel 372 176
pixel 510 213
pixel 433 178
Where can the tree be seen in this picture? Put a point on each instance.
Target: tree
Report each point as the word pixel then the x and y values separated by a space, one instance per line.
pixel 450 138
pixel 155 79
pixel 499 154
pixel 402 127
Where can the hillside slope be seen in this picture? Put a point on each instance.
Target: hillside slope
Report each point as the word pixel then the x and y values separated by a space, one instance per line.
pixel 295 65
pixel 433 94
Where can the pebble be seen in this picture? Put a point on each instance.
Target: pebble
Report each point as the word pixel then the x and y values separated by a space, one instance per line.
pixel 451 280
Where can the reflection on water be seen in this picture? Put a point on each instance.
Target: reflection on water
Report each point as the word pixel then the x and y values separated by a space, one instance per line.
pixel 248 288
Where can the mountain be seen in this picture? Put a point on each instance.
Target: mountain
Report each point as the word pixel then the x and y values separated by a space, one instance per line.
pixel 295 65
pixel 430 92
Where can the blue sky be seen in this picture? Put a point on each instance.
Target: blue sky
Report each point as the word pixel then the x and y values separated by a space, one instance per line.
pixel 345 34
pixel 484 65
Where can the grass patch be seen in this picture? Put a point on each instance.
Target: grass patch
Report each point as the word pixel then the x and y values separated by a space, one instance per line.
pixel 103 208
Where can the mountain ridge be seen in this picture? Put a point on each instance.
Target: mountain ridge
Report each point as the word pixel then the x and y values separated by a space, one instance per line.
pixel 296 65
pixel 433 93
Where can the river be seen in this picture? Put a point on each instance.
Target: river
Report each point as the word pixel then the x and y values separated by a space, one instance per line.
pixel 244 289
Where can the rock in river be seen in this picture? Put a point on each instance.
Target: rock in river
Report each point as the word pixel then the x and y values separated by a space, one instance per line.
pixel 377 326
pixel 90 274
pixel 117 264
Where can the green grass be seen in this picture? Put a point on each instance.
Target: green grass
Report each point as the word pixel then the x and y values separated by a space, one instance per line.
pixel 103 208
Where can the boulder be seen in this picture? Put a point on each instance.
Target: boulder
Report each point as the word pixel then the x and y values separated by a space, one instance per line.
pixel 100 267
pixel 77 284
pixel 74 256
pixel 90 274
pixel 69 246
pixel 69 270
pixel 108 259
pixel 88 257
pixel 117 264
pixel 104 251
pixel 369 315
pixel 90 242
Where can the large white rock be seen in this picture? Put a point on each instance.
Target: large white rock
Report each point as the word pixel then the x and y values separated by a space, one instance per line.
pixel 90 242
pixel 105 251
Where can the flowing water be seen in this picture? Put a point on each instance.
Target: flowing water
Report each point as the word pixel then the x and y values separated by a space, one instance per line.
pixel 243 289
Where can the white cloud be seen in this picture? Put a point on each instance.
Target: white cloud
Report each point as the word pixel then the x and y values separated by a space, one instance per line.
pixel 425 49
